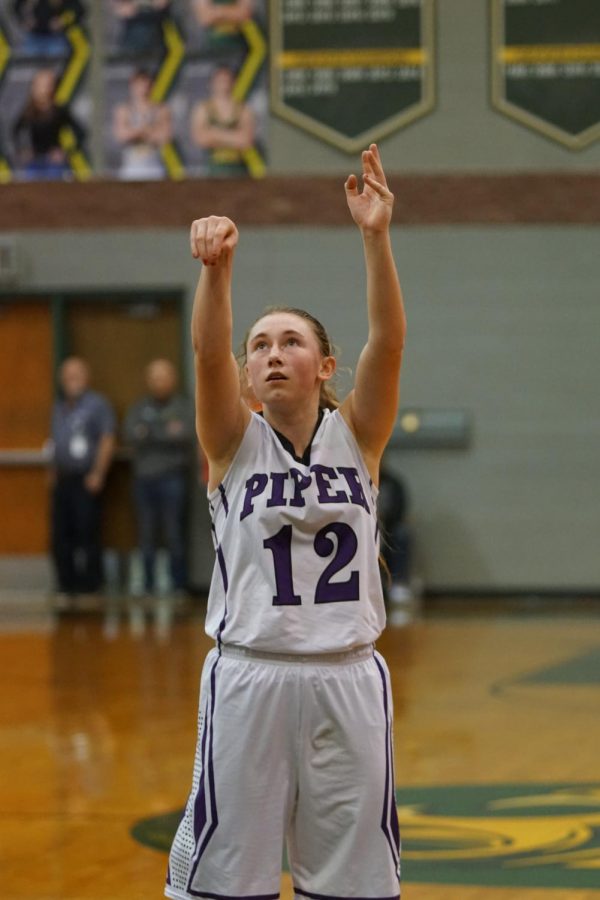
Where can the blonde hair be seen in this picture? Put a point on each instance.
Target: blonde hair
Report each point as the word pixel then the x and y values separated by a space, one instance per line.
pixel 328 397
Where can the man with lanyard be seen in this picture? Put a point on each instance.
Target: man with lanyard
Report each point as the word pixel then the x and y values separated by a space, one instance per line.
pixel 83 437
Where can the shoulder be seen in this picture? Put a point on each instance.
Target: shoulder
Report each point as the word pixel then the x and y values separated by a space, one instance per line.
pixel 341 419
pixel 335 421
pixel 256 432
pixel 97 399
pixel 100 404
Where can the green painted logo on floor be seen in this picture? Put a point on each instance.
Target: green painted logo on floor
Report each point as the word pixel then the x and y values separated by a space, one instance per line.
pixel 525 835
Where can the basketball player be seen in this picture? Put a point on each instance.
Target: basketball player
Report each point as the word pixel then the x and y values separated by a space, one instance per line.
pixel 295 718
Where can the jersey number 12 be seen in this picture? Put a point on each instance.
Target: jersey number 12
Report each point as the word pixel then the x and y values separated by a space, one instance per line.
pixel 326 591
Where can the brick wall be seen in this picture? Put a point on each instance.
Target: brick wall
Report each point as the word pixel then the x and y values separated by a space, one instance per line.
pixel 420 200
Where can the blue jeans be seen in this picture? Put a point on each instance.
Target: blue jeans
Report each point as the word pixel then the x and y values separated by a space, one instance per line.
pixel 45 45
pixel 76 535
pixel 396 548
pixel 160 504
pixel 41 169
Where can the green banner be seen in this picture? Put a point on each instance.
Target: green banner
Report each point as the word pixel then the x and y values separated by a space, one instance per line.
pixel 546 66
pixel 351 71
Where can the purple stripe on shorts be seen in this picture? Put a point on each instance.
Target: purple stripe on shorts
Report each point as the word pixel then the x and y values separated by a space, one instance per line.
pixel 224 499
pixel 211 770
pixel 200 805
pixel 230 897
pixel 389 817
pixel 393 811
pixel 312 896
pixel 200 801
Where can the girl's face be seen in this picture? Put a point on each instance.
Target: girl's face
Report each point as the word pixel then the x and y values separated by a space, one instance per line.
pixel 284 360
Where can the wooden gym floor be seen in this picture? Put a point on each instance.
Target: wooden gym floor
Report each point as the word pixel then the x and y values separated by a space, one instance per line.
pixel 497 730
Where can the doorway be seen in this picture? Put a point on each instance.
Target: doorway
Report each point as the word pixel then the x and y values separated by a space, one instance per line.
pixel 118 334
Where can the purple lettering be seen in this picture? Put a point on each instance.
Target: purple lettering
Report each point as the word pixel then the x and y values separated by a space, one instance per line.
pixel 357 495
pixel 301 483
pixel 322 476
pixel 277 498
pixel 254 486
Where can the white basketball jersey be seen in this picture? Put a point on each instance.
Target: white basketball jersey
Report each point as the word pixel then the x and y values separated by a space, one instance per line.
pixel 297 545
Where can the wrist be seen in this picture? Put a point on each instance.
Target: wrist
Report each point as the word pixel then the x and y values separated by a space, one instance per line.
pixel 376 237
pixel 379 228
pixel 220 269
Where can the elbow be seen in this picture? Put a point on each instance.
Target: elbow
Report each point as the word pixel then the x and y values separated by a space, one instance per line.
pixel 398 335
pixel 205 358
pixel 390 340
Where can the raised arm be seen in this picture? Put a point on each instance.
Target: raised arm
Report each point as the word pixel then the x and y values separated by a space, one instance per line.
pixel 221 414
pixel 371 407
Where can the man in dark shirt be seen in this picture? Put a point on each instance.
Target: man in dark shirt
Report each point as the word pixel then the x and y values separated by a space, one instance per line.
pixel 83 437
pixel 160 430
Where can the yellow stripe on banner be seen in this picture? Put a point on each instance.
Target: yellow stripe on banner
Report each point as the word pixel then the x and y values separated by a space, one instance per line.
pixel 254 162
pixel 4 52
pixel 77 160
pixel 345 59
pixel 175 53
pixel 77 63
pixel 80 166
pixel 257 50
pixel 172 161
pixel 5 172
pixel 550 53
pixel 67 139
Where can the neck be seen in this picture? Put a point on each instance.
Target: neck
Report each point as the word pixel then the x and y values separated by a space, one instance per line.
pixel 297 425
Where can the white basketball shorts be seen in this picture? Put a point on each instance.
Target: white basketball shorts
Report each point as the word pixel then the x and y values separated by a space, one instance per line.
pixel 296 750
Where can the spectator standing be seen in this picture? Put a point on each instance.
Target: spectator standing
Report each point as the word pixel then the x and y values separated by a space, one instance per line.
pixel 223 126
pixel 83 437
pixel 160 430
pixel 141 127
pixel 37 132
pixel 402 589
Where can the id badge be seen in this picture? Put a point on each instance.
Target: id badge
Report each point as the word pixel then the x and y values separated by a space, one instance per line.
pixel 78 446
